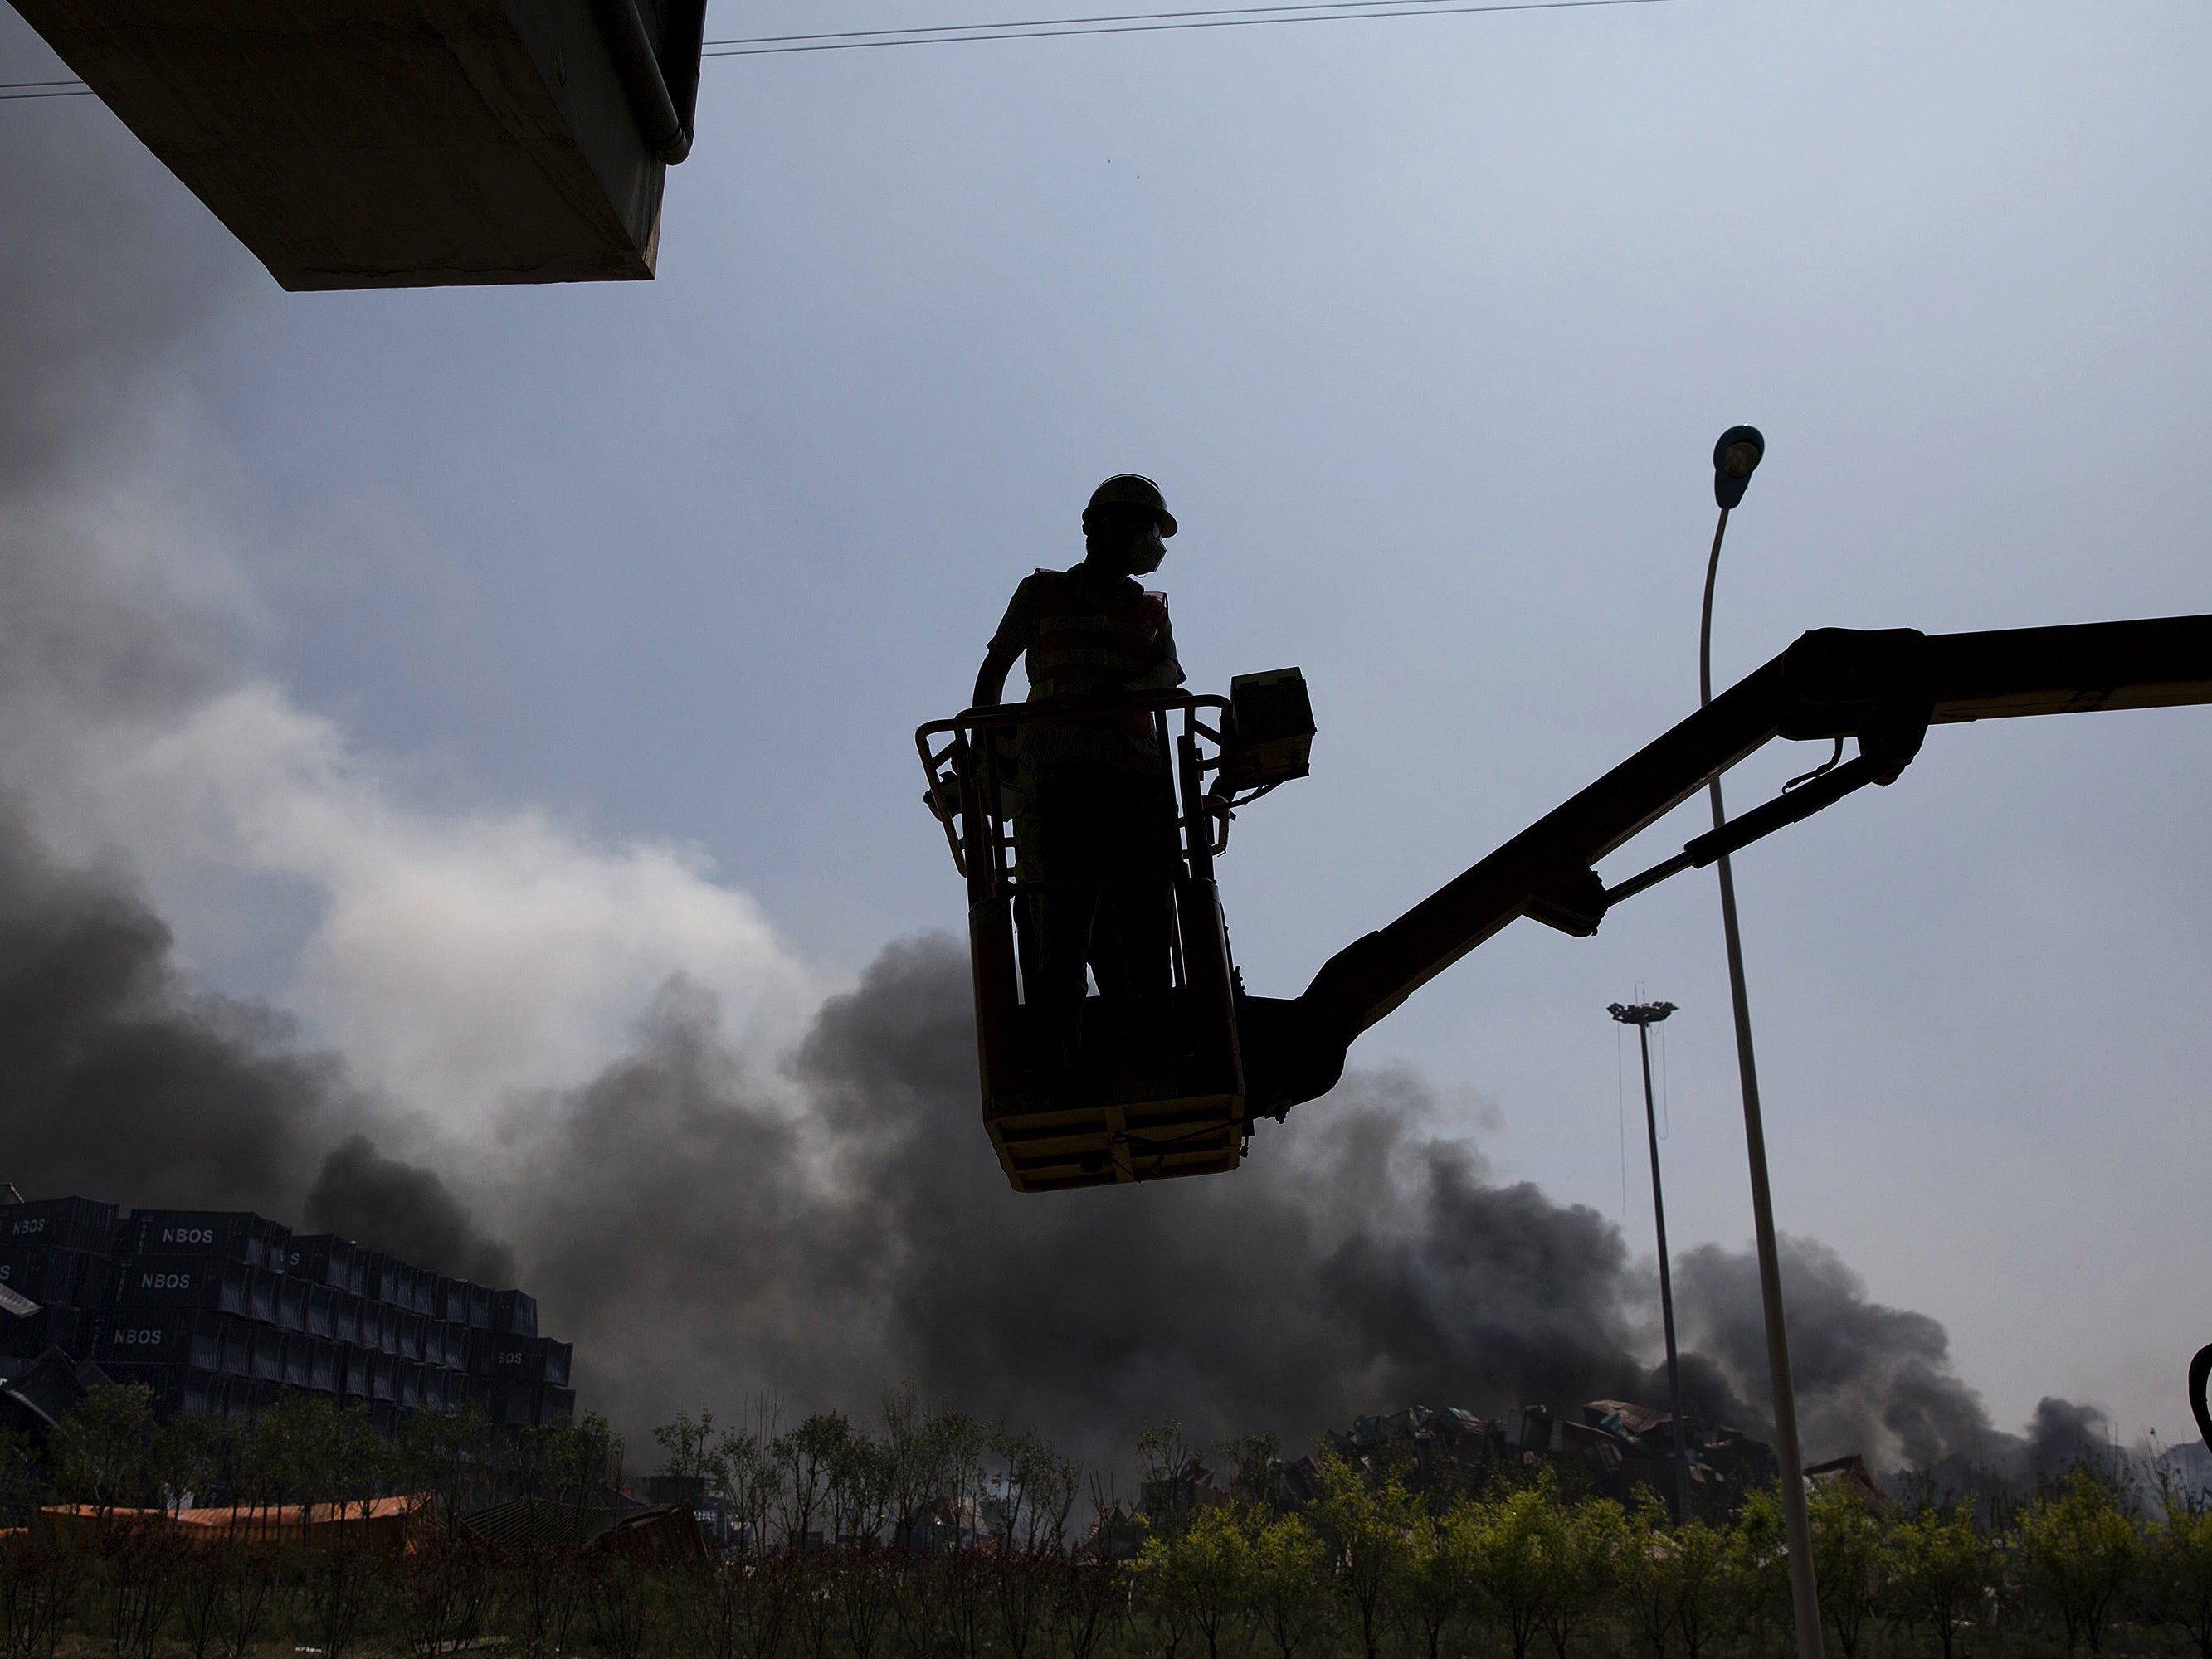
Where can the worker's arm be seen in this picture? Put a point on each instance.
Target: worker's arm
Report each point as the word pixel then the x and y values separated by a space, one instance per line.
pixel 1006 647
pixel 1166 671
pixel 990 678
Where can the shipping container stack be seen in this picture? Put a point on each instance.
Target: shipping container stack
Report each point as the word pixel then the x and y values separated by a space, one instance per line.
pixel 221 1311
pixel 55 1259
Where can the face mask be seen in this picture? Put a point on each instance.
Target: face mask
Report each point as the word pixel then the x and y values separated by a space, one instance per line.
pixel 1146 551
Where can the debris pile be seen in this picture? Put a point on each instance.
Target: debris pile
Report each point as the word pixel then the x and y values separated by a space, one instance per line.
pixel 1609 1447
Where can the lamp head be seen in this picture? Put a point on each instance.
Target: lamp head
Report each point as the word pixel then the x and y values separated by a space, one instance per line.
pixel 1736 458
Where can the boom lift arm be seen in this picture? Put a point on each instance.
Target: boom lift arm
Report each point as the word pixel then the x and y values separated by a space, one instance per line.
pixel 1180 1095
pixel 1883 688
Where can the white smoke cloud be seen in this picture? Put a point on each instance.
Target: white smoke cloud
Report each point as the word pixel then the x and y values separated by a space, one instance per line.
pixel 458 959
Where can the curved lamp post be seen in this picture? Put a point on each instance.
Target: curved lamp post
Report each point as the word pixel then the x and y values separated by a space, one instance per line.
pixel 1736 457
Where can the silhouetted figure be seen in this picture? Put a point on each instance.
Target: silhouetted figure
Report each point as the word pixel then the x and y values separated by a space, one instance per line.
pixel 1094 813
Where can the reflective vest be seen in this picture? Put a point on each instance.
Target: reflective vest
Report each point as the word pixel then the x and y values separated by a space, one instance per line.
pixel 1089 641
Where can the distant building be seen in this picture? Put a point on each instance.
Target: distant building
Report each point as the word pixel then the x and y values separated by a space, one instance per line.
pixel 220 1312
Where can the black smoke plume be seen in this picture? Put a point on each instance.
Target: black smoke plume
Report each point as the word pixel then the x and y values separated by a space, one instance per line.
pixel 126 1081
pixel 703 1234
pixel 362 1194
pixel 708 1231
pixel 1869 1378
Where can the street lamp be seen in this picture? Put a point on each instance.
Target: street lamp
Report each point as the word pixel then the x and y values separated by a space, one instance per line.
pixel 1644 1016
pixel 1736 457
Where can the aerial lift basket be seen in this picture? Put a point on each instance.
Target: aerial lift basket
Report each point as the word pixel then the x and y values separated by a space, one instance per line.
pixel 1163 1094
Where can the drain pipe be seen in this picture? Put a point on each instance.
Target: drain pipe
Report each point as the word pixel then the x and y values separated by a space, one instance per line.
pixel 662 85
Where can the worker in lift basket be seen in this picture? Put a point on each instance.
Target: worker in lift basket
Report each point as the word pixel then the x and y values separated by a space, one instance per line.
pixel 1094 812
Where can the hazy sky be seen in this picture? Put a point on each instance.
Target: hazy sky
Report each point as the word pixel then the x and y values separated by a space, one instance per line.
pixel 1427 327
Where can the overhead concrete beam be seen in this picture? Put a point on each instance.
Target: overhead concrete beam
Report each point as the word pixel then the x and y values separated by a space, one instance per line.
pixel 384 143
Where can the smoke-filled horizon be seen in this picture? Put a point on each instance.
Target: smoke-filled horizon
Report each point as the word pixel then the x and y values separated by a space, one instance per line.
pixel 713 1229
pixel 503 1048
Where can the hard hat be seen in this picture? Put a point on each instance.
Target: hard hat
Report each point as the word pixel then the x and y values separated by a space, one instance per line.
pixel 1130 490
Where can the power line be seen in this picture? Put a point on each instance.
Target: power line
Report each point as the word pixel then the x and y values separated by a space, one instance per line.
pixel 892 35
pixel 1060 22
pixel 1040 28
pixel 1067 28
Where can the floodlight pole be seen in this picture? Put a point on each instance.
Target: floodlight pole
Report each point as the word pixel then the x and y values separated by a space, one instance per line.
pixel 1644 1016
pixel 1804 1590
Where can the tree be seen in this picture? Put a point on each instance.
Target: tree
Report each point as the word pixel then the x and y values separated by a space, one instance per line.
pixel 442 1594
pixel 330 1455
pixel 569 1462
pixel 689 1455
pixel 1160 1620
pixel 617 1606
pixel 806 1458
pixel 451 1460
pixel 1759 1568
pixel 1589 1542
pixel 812 1575
pixel 100 1450
pixel 1252 1461
pixel 313 1451
pixel 749 1477
pixel 141 1574
pixel 1366 1532
pixel 1205 1571
pixel 22 1478
pixel 594 1458
pixel 865 1582
pixel 249 1574
pixel 340 1582
pixel 225 1594
pixel 739 1609
pixel 2078 1552
pixel 1675 1582
pixel 40 1576
pixel 857 1497
pixel 542 1591
pixel 199 1607
pixel 181 1461
pixel 2176 1571
pixel 1515 1549
pixel 1289 1595
pixel 1847 1559
pixel 1033 1488
pixel 1937 1570
pixel 1162 1455
pixel 1441 1563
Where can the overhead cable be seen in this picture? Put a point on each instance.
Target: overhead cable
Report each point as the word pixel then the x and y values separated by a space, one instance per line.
pixel 1040 28
pixel 1052 29
pixel 1069 23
